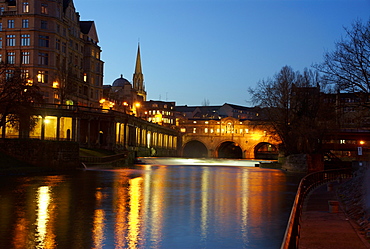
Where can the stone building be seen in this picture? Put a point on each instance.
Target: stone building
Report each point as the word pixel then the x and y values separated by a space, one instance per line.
pixel 53 48
pixel 125 96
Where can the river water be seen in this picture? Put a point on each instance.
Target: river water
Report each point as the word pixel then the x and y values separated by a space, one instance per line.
pixel 181 206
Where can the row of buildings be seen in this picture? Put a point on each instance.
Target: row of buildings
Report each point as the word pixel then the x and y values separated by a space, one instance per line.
pixel 61 54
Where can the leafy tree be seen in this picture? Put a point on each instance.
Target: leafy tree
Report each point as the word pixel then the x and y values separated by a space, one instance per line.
pixel 347 68
pixel 17 97
pixel 292 103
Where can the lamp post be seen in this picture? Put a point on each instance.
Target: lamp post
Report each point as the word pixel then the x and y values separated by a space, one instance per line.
pixel 137 108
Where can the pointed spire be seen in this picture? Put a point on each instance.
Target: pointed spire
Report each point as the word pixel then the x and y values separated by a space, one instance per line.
pixel 138 77
pixel 138 60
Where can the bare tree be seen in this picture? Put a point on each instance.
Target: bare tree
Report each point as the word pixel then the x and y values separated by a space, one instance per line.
pixel 205 102
pixel 292 103
pixel 17 97
pixel 347 68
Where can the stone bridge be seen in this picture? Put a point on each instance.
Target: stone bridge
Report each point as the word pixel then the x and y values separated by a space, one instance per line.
pixel 227 138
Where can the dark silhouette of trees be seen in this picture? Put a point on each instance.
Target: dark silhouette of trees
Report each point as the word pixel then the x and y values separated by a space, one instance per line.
pixel 17 97
pixel 347 68
pixel 292 103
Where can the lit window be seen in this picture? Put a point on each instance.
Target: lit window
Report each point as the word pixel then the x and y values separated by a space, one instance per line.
pixel 44 8
pixel 25 74
pixel 25 40
pixel 42 77
pixel 25 7
pixel 206 130
pixel 85 77
pixel 10 24
pixel 25 57
pixel 194 130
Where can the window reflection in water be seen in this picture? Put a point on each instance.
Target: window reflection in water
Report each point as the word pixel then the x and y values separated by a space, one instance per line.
pixel 135 192
pixel 98 223
pixel 44 236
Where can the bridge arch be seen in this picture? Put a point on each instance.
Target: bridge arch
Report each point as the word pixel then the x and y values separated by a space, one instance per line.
pixel 229 149
pixel 195 148
pixel 265 150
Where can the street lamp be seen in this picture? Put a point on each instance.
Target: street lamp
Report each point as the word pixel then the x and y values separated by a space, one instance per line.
pixel 137 107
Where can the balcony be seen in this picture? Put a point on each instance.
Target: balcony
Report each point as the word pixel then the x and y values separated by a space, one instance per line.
pixel 8 13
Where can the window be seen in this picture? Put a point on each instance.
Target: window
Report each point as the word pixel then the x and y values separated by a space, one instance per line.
pixel 1 42
pixel 57 44
pixel 9 74
pixel 25 40
pixel 64 47
pixel 42 77
pixel 44 24
pixel 25 23
pixel 25 57
pixel 25 7
pixel 10 24
pixel 1 26
pixel 1 10
pixel 10 57
pixel 43 58
pixel 10 40
pixel 25 73
pixel 1 57
pixel 43 41
pixel 44 8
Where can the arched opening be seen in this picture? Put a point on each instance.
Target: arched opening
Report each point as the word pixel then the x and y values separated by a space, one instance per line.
pixel 230 150
pixel 195 149
pixel 266 151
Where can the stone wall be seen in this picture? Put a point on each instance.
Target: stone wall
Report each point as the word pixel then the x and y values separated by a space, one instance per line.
pixel 305 163
pixel 61 155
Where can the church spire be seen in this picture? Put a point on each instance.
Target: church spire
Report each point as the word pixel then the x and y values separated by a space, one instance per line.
pixel 138 61
pixel 138 77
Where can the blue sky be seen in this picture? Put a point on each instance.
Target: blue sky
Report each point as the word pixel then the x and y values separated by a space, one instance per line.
pixel 214 50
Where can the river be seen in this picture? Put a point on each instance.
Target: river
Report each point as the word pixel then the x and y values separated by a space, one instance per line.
pixel 173 206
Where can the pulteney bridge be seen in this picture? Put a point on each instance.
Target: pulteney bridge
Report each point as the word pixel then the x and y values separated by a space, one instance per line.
pixel 227 138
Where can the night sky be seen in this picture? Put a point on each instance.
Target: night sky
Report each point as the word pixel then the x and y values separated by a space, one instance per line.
pixel 214 50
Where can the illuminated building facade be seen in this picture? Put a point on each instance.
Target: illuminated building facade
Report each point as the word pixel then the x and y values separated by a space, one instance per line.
pixel 53 48
pixel 159 112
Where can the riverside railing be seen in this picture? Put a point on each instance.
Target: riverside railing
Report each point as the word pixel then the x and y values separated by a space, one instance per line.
pixel 308 183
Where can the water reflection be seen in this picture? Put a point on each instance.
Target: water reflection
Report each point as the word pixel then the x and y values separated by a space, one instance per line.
pixel 44 232
pixel 156 207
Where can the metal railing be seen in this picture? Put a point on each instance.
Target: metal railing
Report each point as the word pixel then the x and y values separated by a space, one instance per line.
pixel 308 183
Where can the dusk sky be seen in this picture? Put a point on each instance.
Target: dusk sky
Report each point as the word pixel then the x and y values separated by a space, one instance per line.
pixel 214 50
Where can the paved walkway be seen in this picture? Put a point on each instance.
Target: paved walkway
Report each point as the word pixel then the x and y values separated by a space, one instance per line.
pixel 321 228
